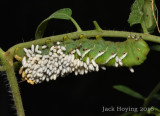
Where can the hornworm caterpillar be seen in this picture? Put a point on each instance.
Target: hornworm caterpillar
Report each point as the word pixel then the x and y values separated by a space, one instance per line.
pixel 51 60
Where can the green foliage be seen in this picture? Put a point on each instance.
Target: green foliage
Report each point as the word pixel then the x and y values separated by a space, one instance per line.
pixel 154 110
pixel 128 91
pixel 136 12
pixel 64 13
pixel 155 47
pixel 141 13
pixel 148 15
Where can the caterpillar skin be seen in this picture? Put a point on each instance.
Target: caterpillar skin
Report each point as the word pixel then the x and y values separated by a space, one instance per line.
pixel 49 61
pixel 136 50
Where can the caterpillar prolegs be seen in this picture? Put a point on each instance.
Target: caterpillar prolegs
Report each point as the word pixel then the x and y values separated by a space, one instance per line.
pixel 49 61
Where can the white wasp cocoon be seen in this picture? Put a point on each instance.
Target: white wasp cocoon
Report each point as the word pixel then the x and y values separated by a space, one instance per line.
pixel 78 52
pixel 36 49
pixel 39 65
pixel 102 67
pixel 131 69
pixel 44 47
pixel 87 61
pixel 32 48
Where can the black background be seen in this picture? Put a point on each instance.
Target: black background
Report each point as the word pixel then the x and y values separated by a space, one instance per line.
pixel 74 95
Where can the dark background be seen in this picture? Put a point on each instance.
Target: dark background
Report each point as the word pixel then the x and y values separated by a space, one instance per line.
pixel 74 95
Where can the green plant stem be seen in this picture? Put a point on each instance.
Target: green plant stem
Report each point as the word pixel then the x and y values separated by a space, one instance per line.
pixel 76 25
pixel 90 33
pixel 144 27
pixel 8 66
pixel 150 96
pixel 98 28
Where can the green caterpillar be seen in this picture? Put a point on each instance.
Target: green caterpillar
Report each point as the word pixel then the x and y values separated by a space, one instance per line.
pixel 51 60
pixel 136 50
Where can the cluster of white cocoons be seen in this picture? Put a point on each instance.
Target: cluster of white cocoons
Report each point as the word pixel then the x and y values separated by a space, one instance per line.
pixel 37 68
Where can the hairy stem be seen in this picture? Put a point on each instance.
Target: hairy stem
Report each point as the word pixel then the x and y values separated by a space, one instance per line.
pixel 8 66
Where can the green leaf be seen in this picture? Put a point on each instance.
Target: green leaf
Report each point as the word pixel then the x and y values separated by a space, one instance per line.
pixel 128 91
pixel 141 13
pixel 154 110
pixel 155 47
pixel 60 14
pixel 148 15
pixel 136 14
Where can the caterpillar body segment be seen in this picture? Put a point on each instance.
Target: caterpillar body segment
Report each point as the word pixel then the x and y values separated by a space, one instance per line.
pixel 47 62
pixel 136 50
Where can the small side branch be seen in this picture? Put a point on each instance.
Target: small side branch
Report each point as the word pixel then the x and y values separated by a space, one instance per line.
pixel 76 25
pixel 150 96
pixel 98 28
